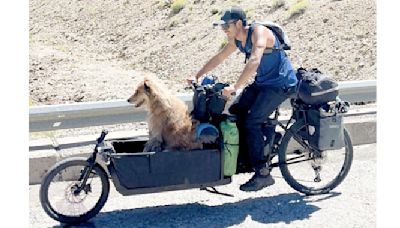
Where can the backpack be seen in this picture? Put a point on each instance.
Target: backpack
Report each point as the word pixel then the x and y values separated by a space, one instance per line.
pixel 199 100
pixel 315 88
pixel 279 33
pixel 208 102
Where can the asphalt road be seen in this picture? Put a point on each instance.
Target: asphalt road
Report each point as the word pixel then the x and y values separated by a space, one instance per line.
pixel 352 204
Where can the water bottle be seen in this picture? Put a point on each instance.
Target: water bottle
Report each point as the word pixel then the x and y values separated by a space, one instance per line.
pixel 208 80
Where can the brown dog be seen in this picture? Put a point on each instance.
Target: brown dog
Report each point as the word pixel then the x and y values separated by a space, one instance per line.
pixel 170 125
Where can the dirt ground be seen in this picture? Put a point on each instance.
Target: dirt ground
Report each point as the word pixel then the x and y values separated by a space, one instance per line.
pixel 80 51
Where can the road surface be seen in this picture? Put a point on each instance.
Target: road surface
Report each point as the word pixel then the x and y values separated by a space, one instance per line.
pixel 352 204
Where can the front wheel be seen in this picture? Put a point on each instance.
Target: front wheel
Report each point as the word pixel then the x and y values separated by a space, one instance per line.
pixel 65 199
pixel 312 172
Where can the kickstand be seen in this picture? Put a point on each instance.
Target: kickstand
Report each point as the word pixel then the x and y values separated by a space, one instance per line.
pixel 215 191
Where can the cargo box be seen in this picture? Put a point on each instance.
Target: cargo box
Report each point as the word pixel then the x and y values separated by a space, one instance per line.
pixel 136 169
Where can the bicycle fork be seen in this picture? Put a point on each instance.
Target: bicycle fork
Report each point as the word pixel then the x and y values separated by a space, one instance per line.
pixel 85 176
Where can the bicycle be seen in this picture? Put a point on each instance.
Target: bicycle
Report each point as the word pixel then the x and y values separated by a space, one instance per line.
pixel 75 190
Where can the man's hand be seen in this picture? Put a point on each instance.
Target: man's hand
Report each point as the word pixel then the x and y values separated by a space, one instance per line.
pixel 229 91
pixel 189 81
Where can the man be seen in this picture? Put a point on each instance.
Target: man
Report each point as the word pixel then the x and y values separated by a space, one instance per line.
pixel 274 79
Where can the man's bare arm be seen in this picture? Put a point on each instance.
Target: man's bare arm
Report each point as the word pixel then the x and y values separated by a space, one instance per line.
pixel 260 37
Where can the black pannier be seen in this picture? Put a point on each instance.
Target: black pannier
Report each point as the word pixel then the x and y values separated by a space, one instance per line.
pixel 200 112
pixel 208 102
pixel 325 129
pixel 315 88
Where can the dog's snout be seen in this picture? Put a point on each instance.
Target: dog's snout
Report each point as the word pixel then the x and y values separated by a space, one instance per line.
pixel 129 100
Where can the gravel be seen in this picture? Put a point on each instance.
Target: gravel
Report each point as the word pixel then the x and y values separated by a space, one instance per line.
pixel 80 51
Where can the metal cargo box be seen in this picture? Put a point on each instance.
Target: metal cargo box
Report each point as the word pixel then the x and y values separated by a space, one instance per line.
pixel 136 169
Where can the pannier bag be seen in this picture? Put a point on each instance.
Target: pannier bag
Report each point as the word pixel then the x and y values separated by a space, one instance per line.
pixel 315 88
pixel 216 102
pixel 208 102
pixel 200 112
pixel 325 128
pixel 230 135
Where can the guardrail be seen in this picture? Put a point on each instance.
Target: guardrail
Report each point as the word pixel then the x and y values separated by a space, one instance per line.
pixel 86 114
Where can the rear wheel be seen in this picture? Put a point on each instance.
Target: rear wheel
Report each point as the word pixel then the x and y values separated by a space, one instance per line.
pixel 310 171
pixel 64 198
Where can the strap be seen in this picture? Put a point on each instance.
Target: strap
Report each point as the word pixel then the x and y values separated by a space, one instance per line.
pixel 248 42
pixel 215 191
pixel 266 51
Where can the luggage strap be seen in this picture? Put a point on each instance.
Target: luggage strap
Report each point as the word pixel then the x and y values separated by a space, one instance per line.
pixel 215 191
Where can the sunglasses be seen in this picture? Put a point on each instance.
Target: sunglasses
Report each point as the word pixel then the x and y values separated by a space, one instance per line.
pixel 226 25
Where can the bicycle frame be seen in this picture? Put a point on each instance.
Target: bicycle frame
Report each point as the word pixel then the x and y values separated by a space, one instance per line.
pixel 273 144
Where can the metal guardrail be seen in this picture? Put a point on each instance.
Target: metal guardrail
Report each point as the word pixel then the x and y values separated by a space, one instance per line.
pixel 86 114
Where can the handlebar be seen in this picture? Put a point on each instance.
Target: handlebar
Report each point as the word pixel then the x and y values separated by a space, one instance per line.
pixel 194 85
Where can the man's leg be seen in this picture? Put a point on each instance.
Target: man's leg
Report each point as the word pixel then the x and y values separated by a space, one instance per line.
pixel 244 102
pixel 267 101
pixel 240 108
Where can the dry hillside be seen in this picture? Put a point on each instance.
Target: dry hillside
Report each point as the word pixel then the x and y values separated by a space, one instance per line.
pixel 97 50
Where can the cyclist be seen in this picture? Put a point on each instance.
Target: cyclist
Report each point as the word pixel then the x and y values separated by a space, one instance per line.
pixel 274 80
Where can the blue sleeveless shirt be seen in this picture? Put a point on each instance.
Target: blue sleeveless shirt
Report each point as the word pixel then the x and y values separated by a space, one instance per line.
pixel 275 69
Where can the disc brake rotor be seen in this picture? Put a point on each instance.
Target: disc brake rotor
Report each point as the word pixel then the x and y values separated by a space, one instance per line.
pixel 73 195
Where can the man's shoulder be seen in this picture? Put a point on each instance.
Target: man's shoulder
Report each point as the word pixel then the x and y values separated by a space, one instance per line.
pixel 257 27
pixel 261 30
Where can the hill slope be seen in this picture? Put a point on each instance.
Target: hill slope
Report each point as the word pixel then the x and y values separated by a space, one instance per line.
pixel 85 52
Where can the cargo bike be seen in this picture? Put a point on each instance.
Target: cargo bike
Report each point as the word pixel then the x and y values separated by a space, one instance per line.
pixel 75 189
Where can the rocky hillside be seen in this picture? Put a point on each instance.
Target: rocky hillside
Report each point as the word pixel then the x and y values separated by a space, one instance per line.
pixel 97 50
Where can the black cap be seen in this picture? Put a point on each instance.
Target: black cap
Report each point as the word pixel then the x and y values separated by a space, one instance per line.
pixel 234 13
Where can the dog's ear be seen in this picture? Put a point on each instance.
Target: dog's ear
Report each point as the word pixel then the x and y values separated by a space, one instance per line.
pixel 147 89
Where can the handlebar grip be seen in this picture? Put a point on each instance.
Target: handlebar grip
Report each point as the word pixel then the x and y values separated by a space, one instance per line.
pixel 194 85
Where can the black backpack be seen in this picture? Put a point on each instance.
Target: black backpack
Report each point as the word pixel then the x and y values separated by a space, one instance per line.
pixel 200 105
pixel 278 31
pixel 315 88
pixel 208 102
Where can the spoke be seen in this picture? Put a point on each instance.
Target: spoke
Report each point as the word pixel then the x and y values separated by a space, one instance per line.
pixel 301 156
pixel 295 162
pixel 61 193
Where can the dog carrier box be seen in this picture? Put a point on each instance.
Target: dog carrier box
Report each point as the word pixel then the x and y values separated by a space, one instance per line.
pixel 162 171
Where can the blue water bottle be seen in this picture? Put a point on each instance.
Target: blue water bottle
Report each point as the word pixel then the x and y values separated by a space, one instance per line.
pixel 208 80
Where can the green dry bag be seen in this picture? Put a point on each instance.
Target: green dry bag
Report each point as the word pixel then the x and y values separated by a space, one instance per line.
pixel 230 134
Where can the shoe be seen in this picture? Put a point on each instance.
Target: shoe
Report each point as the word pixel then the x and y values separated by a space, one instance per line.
pixel 257 182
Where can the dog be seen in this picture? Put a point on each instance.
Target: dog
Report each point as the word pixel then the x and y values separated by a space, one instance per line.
pixel 170 125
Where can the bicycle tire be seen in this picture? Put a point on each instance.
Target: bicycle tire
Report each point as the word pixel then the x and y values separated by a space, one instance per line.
pixel 52 173
pixel 293 182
